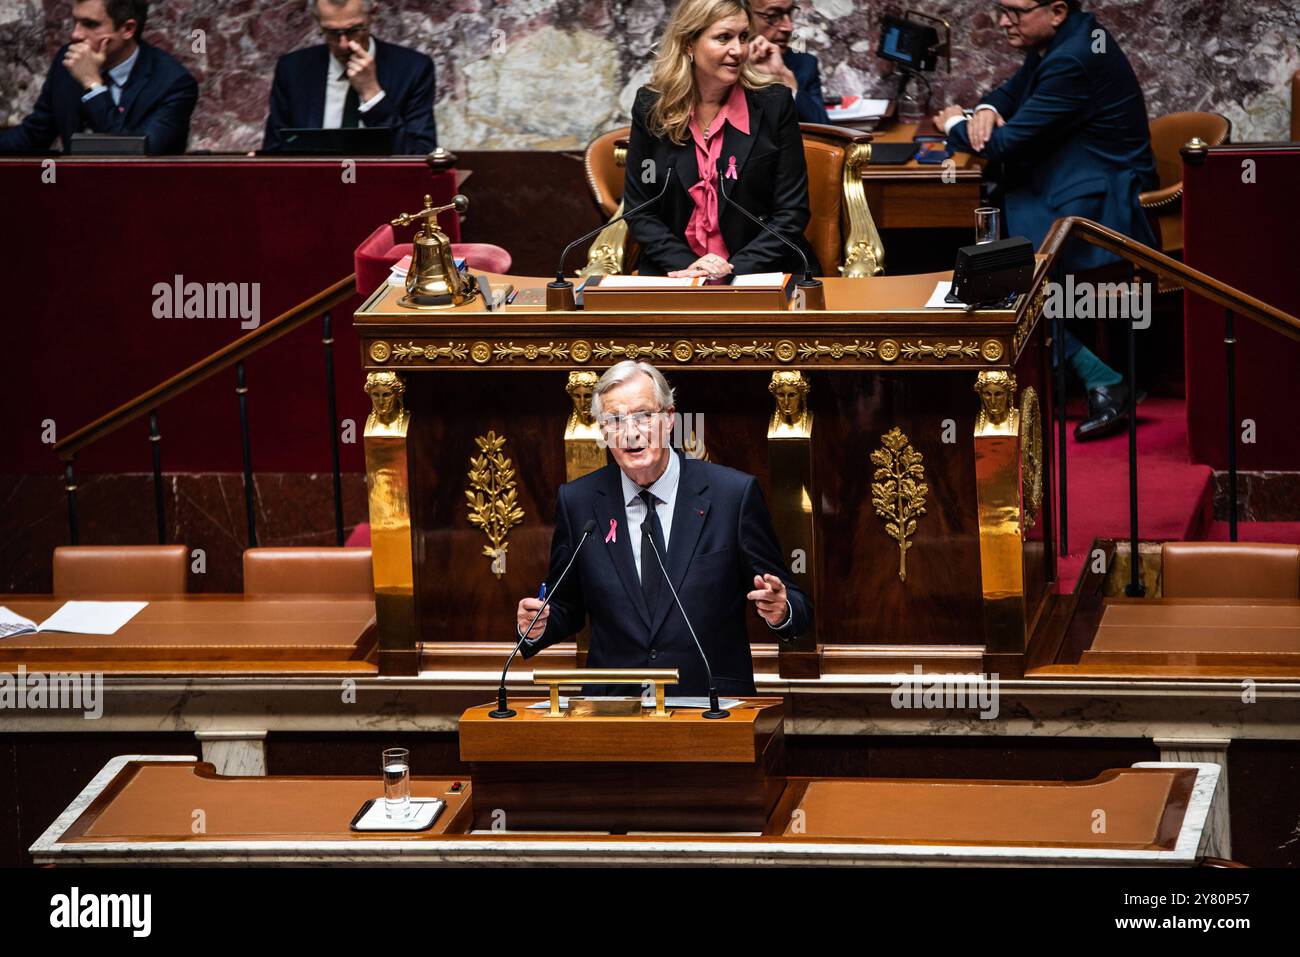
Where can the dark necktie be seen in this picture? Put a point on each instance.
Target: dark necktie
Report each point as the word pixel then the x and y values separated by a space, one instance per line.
pixel 652 576
pixel 351 109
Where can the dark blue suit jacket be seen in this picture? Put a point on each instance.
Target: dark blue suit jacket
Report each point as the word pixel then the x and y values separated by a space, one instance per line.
pixel 808 102
pixel 1076 140
pixel 157 101
pixel 721 537
pixel 298 96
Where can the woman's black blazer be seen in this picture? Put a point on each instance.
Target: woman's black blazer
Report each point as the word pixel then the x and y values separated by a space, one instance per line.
pixel 771 183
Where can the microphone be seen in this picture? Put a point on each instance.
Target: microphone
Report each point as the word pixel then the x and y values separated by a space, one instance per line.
pixel 560 282
pixel 503 709
pixel 714 711
pixel 812 287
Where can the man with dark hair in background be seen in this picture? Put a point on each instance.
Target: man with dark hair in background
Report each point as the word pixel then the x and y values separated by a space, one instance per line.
pixel 108 80
pixel 772 26
pixel 352 80
pixel 1070 133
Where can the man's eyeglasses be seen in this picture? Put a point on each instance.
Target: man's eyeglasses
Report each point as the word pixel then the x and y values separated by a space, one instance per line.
pixel 1013 13
pixel 641 421
pixel 773 17
pixel 351 33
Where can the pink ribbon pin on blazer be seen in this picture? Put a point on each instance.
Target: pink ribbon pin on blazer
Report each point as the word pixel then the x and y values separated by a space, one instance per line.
pixel 731 167
pixel 613 532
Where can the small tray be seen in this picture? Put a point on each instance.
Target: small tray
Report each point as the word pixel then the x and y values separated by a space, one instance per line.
pixel 373 816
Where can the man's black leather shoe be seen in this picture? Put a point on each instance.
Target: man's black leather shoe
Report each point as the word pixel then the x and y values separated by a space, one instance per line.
pixel 1108 411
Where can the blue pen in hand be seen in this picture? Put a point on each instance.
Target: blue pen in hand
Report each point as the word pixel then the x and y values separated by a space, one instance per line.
pixel 541 596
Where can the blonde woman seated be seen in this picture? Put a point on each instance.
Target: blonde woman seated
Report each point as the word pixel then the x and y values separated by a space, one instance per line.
pixel 718 124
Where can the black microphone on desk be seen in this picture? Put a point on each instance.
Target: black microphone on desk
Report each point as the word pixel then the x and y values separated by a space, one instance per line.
pixel 811 286
pixel 560 282
pixel 503 709
pixel 714 710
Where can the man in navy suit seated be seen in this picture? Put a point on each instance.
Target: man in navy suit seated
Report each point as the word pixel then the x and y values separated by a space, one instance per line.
pixel 351 80
pixel 769 51
pixel 706 523
pixel 108 80
pixel 1070 133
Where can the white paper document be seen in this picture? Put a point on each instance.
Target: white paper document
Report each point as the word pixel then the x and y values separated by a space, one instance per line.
pixel 936 298
pixel 770 279
pixel 75 617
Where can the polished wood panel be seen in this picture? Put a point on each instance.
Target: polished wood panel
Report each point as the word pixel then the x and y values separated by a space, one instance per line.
pixel 1144 808
pixel 157 800
pixel 236 632
pixel 620 774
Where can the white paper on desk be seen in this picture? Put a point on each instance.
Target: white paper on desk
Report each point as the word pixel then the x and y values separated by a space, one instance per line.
pixel 92 617
pixel 857 108
pixel 12 623
pixel 641 282
pixel 774 280
pixel 936 300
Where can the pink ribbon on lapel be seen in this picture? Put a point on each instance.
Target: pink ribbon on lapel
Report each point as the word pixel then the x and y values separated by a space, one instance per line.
pixel 731 168
pixel 613 531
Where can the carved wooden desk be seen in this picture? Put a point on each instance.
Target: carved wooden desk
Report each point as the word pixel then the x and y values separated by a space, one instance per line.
pixel 911 502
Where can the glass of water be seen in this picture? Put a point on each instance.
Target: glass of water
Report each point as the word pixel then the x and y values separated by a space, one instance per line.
pixel 397 783
pixel 987 225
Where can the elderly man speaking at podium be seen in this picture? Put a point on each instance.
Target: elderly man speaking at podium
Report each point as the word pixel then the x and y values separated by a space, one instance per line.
pixel 656 510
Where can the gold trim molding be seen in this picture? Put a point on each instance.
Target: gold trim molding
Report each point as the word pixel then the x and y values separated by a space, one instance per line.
pixel 686 351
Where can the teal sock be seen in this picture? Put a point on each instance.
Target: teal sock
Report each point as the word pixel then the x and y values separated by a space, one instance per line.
pixel 1092 370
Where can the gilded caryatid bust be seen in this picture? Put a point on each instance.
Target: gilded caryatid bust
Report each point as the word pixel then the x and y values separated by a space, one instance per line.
pixel 791 418
pixel 581 386
pixel 997 392
pixel 388 416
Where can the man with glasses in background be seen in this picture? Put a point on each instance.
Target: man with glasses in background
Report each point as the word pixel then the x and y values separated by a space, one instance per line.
pixel 353 80
pixel 1070 137
pixel 769 51
pixel 657 510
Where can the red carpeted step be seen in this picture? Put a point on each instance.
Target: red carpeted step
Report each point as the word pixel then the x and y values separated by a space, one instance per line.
pixel 1175 497
pixel 1287 533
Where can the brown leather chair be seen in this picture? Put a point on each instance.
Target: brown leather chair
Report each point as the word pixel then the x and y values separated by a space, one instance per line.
pixel 308 571
pixel 1230 570
pixel 84 571
pixel 840 229
pixel 1169 134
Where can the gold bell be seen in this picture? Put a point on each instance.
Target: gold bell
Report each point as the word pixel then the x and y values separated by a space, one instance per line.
pixel 433 279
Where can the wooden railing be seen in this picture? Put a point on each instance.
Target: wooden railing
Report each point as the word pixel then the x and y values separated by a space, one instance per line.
pixel 1234 302
pixel 234 354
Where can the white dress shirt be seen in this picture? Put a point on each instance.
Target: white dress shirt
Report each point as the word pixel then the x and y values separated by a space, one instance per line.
pixel 664 489
pixel 336 92
pixel 119 75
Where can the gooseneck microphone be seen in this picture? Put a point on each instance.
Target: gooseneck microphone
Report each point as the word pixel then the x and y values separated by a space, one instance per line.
pixel 503 709
pixel 562 283
pixel 812 286
pixel 714 710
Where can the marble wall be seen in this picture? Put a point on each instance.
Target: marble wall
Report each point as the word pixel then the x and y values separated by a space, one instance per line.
pixel 548 74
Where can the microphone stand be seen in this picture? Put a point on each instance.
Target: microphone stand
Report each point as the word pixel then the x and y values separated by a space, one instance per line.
pixel 813 291
pixel 714 710
pixel 560 292
pixel 503 709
